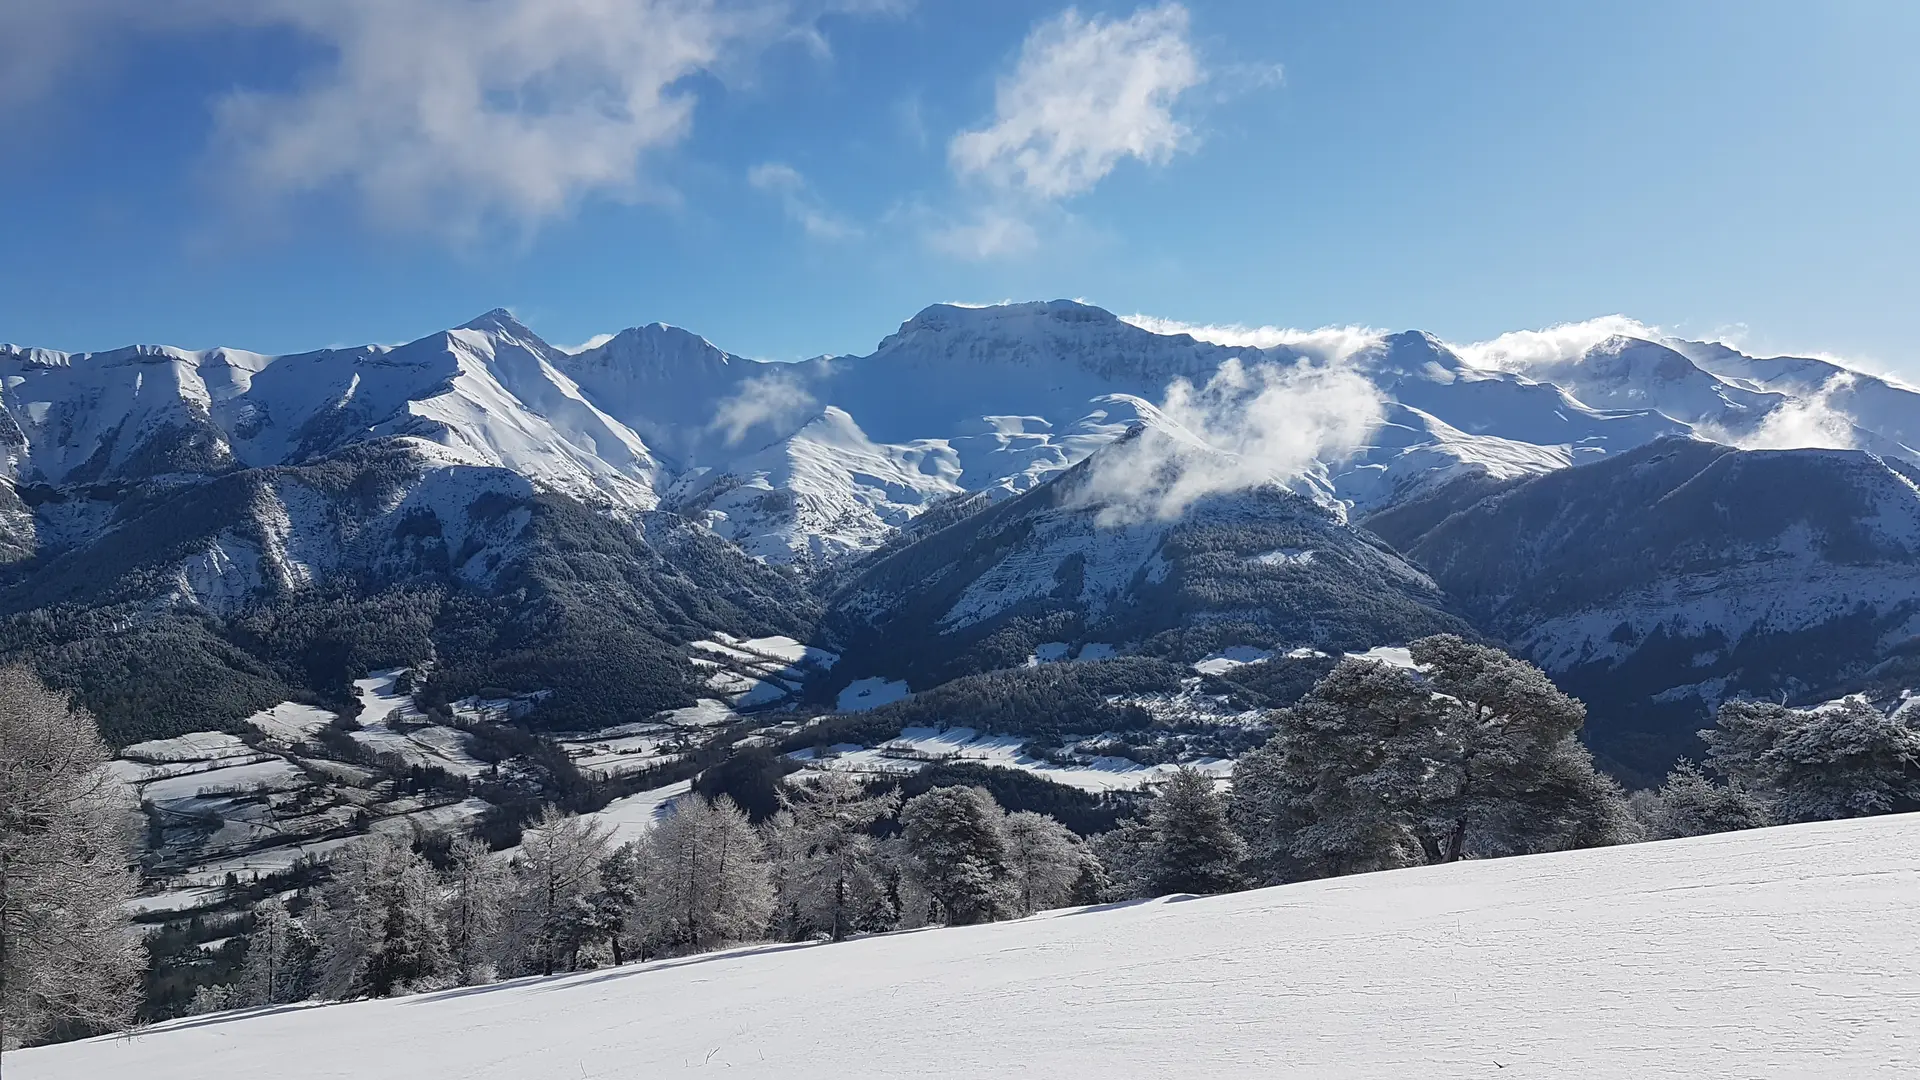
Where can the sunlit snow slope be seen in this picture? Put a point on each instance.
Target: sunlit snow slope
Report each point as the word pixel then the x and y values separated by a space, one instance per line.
pixel 1785 952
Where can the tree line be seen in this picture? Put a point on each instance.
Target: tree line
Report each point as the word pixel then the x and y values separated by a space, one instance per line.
pixel 1470 754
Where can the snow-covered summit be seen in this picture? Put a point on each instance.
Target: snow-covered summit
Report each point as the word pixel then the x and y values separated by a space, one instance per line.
pixel 958 399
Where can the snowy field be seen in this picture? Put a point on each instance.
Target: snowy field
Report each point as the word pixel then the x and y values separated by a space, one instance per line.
pixel 1777 953
pixel 917 747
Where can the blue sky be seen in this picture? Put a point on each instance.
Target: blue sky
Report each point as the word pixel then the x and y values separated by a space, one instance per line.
pixel 790 177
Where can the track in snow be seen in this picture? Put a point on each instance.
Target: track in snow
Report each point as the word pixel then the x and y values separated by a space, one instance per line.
pixel 1787 952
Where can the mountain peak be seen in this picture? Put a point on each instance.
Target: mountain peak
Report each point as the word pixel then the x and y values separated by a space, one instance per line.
pixel 497 321
pixel 952 316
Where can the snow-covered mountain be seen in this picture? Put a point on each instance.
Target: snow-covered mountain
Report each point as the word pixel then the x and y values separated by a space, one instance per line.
pixel 1080 568
pixel 817 461
pixel 1617 963
pixel 488 393
pixel 1660 582
pixel 934 477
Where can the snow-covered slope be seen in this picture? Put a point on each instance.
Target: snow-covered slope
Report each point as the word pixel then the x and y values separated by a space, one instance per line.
pixel 487 393
pixel 1777 952
pixel 1085 558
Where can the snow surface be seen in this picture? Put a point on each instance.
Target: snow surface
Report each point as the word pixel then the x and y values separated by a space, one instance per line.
pixel 632 817
pixel 1782 952
pixel 918 747
pixel 863 694
pixel 1229 658
pixel 290 722
pixel 1392 655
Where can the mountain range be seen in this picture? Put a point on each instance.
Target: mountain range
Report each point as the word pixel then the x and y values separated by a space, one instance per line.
pixel 189 536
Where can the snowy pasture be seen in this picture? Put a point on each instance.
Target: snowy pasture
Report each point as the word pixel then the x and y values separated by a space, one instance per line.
pixel 917 747
pixel 1784 952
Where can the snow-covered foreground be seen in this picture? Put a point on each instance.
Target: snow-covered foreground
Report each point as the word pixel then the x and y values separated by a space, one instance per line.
pixel 1785 952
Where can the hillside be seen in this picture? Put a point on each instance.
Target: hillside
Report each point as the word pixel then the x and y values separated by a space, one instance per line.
pixel 1776 952
pixel 1658 583
pixel 1080 568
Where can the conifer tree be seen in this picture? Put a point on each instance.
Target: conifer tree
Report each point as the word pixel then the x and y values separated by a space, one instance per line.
pixel 1690 803
pixel 1046 861
pixel 1473 755
pixel 1190 846
pixel 960 852
pixel 1838 760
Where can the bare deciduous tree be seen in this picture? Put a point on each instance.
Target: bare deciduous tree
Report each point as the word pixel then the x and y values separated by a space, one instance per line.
pixel 69 961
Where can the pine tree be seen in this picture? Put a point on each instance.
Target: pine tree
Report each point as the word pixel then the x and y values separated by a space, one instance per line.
pixel 378 922
pixel 616 903
pixel 707 884
pixel 475 885
pixel 1838 760
pixel 1690 803
pixel 1046 861
pixel 830 878
pixel 959 851
pixel 1474 755
pixel 1190 846
pixel 69 963
pixel 557 869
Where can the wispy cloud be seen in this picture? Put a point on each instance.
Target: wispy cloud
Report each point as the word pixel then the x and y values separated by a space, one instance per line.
pixel 1085 94
pixel 1522 350
pixel 775 399
pixel 802 205
pixel 1249 425
pixel 1328 343
pixel 988 234
pixel 445 116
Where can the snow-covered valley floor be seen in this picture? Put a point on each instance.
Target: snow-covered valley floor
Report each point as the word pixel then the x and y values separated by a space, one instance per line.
pixel 1790 952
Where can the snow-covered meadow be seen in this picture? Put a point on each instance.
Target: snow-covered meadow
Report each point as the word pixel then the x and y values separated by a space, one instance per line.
pixel 1786 952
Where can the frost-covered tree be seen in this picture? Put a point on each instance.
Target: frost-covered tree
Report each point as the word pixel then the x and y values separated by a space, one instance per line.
pixel 1473 755
pixel 1838 760
pixel 279 963
pixel 1691 803
pixel 707 882
pixel 475 885
pixel 959 852
pixel 616 903
pixel 69 963
pixel 554 875
pixel 378 922
pixel 829 876
pixel 1187 844
pixel 1046 860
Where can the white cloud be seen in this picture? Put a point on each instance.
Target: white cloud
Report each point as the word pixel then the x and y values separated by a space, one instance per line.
pixel 593 342
pixel 989 234
pixel 1086 93
pixel 1250 425
pixel 443 115
pixel 775 399
pixel 1799 423
pixel 1331 343
pixel 798 199
pixel 1522 350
